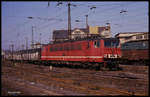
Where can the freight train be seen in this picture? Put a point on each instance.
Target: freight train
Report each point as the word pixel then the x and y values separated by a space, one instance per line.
pixel 87 53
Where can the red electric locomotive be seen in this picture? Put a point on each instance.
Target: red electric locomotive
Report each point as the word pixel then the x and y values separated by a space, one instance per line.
pixel 100 51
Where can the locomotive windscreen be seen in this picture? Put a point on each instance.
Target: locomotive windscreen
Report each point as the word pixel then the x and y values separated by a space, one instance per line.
pixel 111 43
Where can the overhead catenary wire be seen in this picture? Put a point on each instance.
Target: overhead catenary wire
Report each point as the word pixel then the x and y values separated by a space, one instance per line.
pixel 25 22
pixel 112 18
pixel 20 25
pixel 90 12
pixel 39 18
pixel 109 8
pixel 55 21
pixel 56 16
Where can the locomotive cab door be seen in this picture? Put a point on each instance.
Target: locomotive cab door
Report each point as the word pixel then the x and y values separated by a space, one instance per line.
pixel 95 51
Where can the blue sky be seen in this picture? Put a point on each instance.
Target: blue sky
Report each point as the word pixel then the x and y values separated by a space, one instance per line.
pixel 16 26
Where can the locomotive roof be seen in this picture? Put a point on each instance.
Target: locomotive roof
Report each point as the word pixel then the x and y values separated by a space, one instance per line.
pixel 81 39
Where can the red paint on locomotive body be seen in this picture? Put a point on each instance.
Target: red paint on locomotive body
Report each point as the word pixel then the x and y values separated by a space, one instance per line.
pixel 82 51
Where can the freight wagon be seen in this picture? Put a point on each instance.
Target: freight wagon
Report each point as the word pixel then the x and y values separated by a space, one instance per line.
pixel 135 52
pixel 29 55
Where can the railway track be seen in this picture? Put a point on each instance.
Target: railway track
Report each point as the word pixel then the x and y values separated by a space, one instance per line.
pixel 47 91
pixel 80 81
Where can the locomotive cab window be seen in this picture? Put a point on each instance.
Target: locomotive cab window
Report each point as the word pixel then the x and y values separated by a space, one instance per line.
pixel 88 44
pixel 61 48
pixel 111 43
pixel 43 49
pixel 46 49
pixel 51 49
pixel 78 47
pixel 97 44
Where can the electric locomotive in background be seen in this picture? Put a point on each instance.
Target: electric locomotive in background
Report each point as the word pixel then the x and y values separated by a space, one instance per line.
pixel 136 52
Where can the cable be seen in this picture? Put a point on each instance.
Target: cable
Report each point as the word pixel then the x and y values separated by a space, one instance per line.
pixel 56 16
pixel 113 17
pixel 18 25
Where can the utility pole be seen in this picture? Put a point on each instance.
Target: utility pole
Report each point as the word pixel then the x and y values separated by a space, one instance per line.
pixel 22 46
pixel 86 21
pixel 32 38
pixel 69 21
pixel 26 43
pixel 69 17
pixel 87 26
pixel 40 38
pixel 27 47
pixel 18 36
pixel 12 49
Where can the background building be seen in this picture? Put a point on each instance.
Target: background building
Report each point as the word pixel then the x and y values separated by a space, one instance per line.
pixel 131 36
pixel 60 35
pixel 36 45
pixel 103 31
pixel 79 33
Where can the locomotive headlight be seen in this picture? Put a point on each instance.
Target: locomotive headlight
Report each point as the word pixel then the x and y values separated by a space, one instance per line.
pixel 105 56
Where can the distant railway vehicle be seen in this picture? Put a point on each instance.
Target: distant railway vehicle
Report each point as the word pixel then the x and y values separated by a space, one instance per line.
pixel 135 51
pixel 26 55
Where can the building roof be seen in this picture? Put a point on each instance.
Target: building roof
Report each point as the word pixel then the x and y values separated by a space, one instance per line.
pixel 81 39
pixel 130 33
pixel 37 43
pixel 101 29
pixel 60 34
pixel 63 34
pixel 83 29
